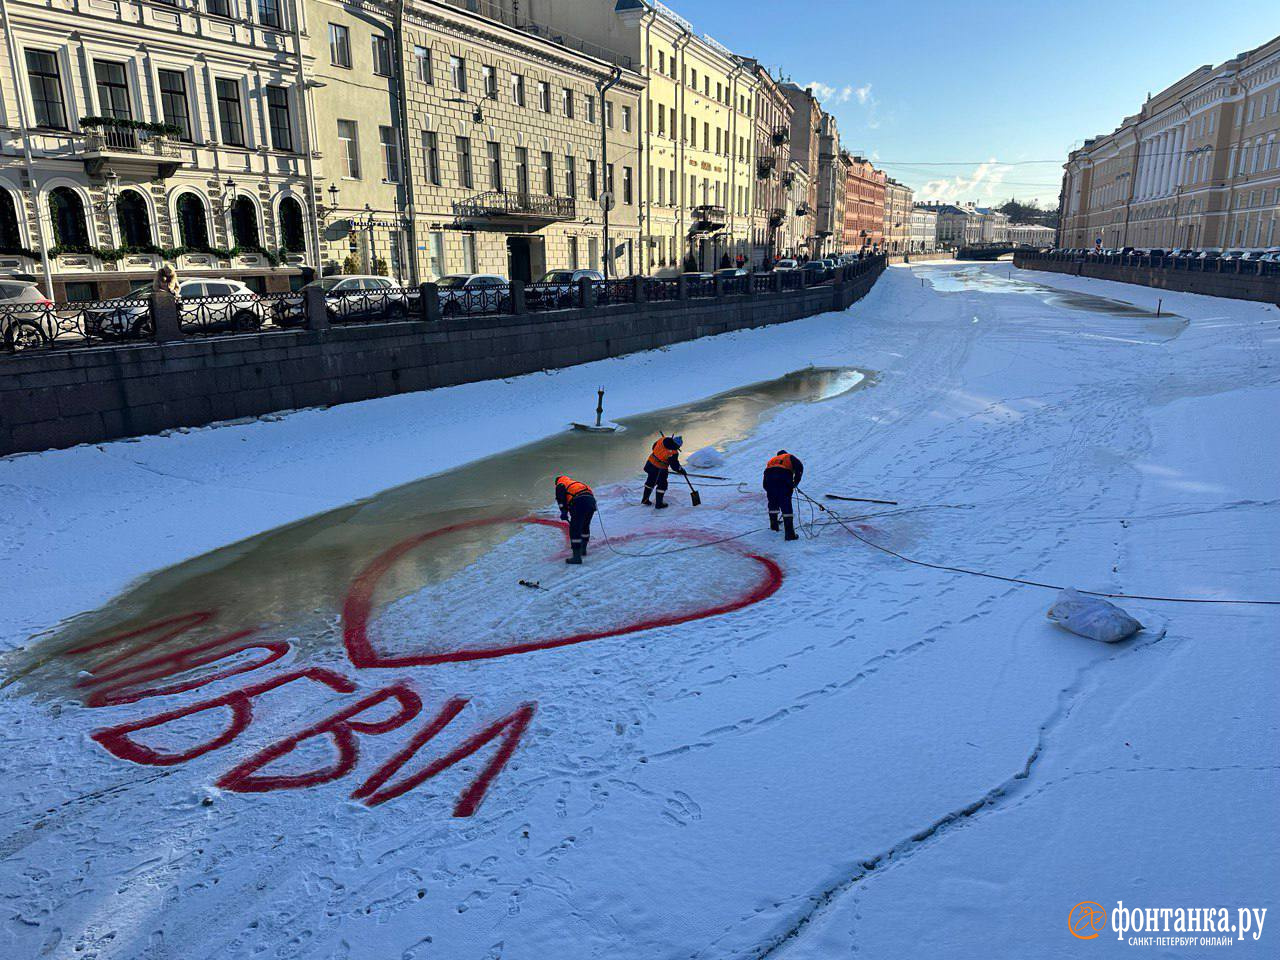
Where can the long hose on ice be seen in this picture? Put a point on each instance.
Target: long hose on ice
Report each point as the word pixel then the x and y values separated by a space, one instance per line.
pixel 1019 580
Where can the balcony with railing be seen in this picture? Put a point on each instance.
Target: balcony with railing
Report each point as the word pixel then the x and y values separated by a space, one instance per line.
pixel 764 166
pixel 515 205
pixel 124 143
pixel 708 216
pixel 776 216
pixel 781 135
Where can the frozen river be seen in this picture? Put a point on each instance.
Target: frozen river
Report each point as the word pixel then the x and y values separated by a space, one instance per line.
pixel 276 690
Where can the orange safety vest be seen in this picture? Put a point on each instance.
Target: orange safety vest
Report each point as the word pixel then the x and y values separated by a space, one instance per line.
pixel 661 456
pixel 572 488
pixel 781 460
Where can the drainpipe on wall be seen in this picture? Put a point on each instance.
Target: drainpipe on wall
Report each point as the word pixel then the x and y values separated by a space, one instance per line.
pixel 406 175
pixel 11 42
pixel 304 92
pixel 604 86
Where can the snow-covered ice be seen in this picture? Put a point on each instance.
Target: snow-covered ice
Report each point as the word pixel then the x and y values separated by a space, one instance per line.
pixel 833 753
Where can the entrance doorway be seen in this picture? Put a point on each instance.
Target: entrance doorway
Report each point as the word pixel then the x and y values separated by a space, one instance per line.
pixel 526 258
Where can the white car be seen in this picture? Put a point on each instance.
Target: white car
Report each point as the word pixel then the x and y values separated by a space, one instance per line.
pixel 26 316
pixel 786 265
pixel 347 297
pixel 204 303
pixel 462 293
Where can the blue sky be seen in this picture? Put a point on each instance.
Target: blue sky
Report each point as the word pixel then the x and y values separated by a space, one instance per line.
pixel 937 90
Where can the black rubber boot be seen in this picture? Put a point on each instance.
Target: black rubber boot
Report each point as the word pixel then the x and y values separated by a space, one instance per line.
pixel 577 554
pixel 585 542
pixel 658 503
pixel 790 525
pixel 645 501
pixel 775 523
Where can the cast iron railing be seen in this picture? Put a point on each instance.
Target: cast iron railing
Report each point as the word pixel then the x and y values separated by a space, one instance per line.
pixel 513 203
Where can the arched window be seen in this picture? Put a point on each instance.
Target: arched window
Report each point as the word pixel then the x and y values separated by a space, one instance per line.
pixel 193 228
pixel 134 221
pixel 66 209
pixel 244 223
pixel 292 236
pixel 10 235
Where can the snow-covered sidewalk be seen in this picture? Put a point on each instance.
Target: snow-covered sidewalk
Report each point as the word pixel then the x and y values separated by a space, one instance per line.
pixel 862 758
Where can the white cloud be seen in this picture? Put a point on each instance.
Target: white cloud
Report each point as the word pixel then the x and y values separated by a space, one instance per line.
pixel 981 184
pixel 833 96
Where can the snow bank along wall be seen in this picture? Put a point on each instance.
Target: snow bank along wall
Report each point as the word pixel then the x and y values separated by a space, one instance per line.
pixel 1209 281
pixel 59 399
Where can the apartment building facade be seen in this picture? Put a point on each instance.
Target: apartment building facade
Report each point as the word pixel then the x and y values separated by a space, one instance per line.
pixel 898 208
pixel 806 150
pixel 923 237
pixel 832 182
pixel 138 133
pixel 864 206
pixel 801 223
pixel 770 205
pixel 1198 166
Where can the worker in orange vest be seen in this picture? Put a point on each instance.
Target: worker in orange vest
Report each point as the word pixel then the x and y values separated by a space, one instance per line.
pixel 578 506
pixel 781 477
pixel 664 457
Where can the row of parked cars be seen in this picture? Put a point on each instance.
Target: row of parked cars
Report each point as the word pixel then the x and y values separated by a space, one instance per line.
pixel 1255 255
pixel 214 304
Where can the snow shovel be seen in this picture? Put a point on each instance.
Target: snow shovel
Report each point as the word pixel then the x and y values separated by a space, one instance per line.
pixel 695 498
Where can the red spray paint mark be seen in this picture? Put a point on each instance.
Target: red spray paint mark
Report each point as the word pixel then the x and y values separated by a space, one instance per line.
pixel 358 608
pixel 117 739
pixel 509 728
pixel 342 728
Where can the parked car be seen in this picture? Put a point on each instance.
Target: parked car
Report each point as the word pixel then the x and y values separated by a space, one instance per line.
pixel 557 288
pixel 814 271
pixel 1233 255
pixel 347 297
pixel 786 264
pixel 25 315
pixel 462 293
pixel 732 272
pixel 204 303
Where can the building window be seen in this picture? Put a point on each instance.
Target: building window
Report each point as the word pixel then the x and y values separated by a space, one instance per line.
pixel 608 178
pixel 468 253
pixel 244 224
pixel 10 235
pixel 113 90
pixel 591 109
pixel 544 96
pixel 490 77
pixel 431 146
pixel 349 139
pixel 495 164
pixel 269 13
pixel 566 102
pixel 464 162
pixel 458 74
pixel 422 57
pixel 173 101
pixel 435 254
pixel 608 114
pixel 548 174
pixel 626 185
pixel 219 8
pixel 573 253
pixel 46 89
pixel 571 176
pixel 339 45
pixel 517 89
pixel 390 154
pixel 382 56
pixel 193 227
pixel 229 114
pixel 522 170
pixel 626 119
pixel 292 237
pixel 662 61
pixel 278 118
pixel 593 191
pixel 133 219
pixel 66 210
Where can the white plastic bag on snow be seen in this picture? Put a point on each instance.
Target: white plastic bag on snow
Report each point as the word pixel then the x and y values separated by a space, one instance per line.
pixel 1092 617
pixel 706 457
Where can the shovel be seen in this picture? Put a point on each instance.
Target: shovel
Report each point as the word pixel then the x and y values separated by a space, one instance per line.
pixel 695 498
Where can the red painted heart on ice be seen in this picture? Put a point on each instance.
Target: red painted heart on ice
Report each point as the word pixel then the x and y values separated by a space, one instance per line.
pixel 358 607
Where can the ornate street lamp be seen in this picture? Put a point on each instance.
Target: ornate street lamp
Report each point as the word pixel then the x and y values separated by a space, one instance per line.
pixel 110 191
